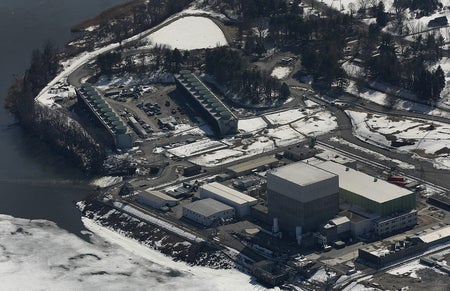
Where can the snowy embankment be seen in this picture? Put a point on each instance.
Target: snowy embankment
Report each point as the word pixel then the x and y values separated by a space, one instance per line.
pixel 38 254
pixel 106 181
pixel 427 139
pixel 156 221
pixel 189 33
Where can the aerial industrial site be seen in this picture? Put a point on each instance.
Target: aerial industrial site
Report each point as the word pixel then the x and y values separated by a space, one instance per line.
pixel 314 190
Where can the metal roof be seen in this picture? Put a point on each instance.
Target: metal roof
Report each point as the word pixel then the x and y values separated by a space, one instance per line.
pixel 229 193
pixel 436 235
pixel 252 164
pixel 364 185
pixel 156 196
pixel 340 220
pixel 104 112
pixel 207 207
pixel 203 94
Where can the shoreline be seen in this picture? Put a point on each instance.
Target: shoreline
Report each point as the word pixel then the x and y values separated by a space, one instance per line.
pixel 156 238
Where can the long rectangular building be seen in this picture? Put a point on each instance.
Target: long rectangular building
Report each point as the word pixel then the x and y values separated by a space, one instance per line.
pixel 110 120
pixel 219 116
pixel 372 194
pixel 229 196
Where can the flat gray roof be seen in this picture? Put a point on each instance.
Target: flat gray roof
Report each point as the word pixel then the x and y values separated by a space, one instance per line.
pixel 229 193
pixel 302 174
pixel 207 207
pixel 156 196
pixel 436 235
pixel 364 185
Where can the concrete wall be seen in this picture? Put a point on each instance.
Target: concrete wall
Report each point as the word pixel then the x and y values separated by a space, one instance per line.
pixel 383 209
pixel 361 227
pixel 310 215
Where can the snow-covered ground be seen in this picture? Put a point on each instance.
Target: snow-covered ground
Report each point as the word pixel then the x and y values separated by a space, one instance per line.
pixel 281 72
pixel 409 268
pixel 285 117
pixel 286 128
pixel 202 146
pixel 401 165
pixel 445 94
pixel 346 6
pixel 251 124
pixel 106 181
pixel 189 33
pixel 158 222
pixel 377 97
pixel 69 66
pixel 37 255
pixel 417 136
pixel 322 276
pixel 217 158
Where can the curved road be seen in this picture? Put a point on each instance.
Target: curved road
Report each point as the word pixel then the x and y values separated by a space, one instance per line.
pixel 345 130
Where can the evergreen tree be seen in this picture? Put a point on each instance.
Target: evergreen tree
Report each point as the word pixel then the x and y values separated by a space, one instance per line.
pixel 381 15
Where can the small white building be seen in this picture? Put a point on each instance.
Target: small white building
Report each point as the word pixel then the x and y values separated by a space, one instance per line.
pixel 207 211
pixel 229 196
pixel 155 199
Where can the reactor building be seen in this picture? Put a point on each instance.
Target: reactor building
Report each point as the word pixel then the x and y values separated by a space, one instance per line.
pixel 302 197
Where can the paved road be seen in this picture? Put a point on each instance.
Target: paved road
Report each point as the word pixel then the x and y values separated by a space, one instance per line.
pixel 425 169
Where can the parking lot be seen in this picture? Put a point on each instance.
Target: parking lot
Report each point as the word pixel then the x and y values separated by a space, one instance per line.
pixel 151 110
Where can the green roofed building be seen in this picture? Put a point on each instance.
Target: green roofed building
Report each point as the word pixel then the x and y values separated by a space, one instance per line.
pixel 213 110
pixel 110 120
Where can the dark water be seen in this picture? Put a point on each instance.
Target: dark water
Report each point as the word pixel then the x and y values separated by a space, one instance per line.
pixel 34 182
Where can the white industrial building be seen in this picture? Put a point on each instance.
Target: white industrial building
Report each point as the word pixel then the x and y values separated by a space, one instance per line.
pixel 302 195
pixel 207 211
pixel 436 236
pixel 155 199
pixel 239 201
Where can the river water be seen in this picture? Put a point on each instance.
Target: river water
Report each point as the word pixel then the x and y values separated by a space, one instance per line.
pixel 34 182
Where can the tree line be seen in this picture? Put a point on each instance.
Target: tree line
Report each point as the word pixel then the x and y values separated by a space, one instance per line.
pixel 252 85
pixel 54 126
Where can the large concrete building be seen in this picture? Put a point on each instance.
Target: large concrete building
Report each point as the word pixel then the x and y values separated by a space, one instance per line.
pixel 207 211
pixel 219 116
pixel 371 194
pixel 109 119
pixel 239 201
pixel 301 195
